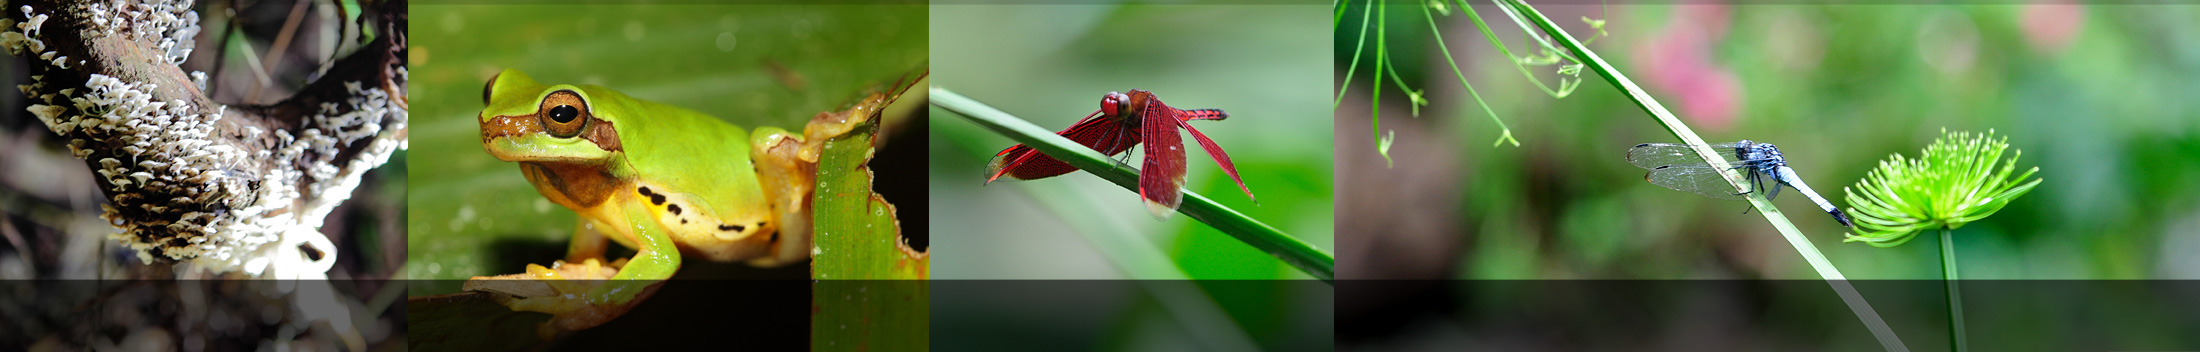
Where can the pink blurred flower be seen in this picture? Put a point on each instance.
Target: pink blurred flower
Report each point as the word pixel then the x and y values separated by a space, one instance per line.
pixel 2050 27
pixel 1679 64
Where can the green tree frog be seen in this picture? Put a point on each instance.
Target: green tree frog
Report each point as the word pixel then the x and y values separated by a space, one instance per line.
pixel 666 181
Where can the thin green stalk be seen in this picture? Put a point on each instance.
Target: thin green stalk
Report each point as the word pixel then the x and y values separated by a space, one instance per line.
pixel 1563 90
pixel 1298 254
pixel 1356 49
pixel 1413 95
pixel 1375 110
pixel 1955 296
pixel 1642 99
pixel 1508 132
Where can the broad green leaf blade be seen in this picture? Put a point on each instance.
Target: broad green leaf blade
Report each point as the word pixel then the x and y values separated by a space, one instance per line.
pixel 870 315
pixel 855 232
pixel 869 290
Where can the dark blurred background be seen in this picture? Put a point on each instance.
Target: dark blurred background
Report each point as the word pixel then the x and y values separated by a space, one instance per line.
pixel 2098 97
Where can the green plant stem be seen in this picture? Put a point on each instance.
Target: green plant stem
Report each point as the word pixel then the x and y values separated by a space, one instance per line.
pixel 1356 49
pixel 1508 132
pixel 1298 254
pixel 1375 98
pixel 1642 99
pixel 1563 90
pixel 1955 296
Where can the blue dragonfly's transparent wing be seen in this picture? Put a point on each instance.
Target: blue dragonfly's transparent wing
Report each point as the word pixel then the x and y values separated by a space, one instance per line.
pixel 1654 155
pixel 1703 180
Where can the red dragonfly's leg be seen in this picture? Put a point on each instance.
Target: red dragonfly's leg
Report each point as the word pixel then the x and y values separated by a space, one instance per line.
pixel 1159 182
pixel 1221 158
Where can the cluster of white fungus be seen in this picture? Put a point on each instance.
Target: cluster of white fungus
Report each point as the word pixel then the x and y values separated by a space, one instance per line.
pixel 169 22
pixel 178 191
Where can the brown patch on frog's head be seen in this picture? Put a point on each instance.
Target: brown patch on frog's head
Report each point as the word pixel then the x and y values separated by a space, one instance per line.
pixel 562 114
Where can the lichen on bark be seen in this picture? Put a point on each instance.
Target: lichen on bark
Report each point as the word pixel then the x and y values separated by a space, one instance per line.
pixel 225 188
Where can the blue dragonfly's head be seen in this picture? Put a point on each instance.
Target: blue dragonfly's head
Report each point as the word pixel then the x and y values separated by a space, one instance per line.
pixel 1758 155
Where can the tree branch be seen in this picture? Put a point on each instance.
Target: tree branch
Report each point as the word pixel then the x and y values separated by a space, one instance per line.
pixel 225 188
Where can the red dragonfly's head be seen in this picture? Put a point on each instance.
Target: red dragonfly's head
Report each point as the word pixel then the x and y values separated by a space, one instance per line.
pixel 1114 103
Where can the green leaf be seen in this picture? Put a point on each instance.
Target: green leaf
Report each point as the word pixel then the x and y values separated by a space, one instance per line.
pixel 865 274
pixel 856 234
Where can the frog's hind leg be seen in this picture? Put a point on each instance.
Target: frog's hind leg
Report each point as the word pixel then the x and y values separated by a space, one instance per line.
pixel 588 243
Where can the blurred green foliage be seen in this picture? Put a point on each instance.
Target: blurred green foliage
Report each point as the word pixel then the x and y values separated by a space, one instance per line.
pixel 2098 95
pixel 751 65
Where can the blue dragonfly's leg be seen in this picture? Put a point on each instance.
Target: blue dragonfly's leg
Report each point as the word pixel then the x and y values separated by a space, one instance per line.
pixel 1757 183
pixel 1746 171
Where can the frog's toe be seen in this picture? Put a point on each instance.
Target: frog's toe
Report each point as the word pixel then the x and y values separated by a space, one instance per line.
pixel 572 312
pixel 566 291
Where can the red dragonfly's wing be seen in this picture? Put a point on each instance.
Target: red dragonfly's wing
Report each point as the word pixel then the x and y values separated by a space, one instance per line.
pixel 1222 159
pixel 1104 134
pixel 1159 182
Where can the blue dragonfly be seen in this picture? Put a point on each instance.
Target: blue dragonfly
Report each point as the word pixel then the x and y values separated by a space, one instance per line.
pixel 1676 166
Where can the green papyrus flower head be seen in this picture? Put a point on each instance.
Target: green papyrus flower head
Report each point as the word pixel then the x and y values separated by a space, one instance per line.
pixel 1954 183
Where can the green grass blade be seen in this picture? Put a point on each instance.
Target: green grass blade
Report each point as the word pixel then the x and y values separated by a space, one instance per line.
pixel 1293 252
pixel 1779 221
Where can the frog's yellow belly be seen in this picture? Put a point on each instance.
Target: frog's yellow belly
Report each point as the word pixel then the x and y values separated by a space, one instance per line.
pixel 695 228
pixel 619 208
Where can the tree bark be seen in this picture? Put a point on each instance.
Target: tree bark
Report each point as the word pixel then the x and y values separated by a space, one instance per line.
pixel 222 187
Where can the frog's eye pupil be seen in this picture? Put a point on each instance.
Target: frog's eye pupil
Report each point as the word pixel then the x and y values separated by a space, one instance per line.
pixel 564 114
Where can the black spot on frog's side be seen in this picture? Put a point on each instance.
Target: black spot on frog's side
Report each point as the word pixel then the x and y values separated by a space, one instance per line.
pixel 654 198
pixel 675 209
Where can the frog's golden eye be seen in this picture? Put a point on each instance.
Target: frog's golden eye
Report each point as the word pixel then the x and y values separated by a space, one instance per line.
pixel 486 89
pixel 564 114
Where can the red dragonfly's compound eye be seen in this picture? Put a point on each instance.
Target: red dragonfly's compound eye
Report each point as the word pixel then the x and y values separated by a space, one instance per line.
pixel 1114 103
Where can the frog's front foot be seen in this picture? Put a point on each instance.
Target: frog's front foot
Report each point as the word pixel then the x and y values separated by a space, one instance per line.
pixel 577 296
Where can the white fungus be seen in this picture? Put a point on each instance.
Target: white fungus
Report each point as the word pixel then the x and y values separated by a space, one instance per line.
pixel 182 191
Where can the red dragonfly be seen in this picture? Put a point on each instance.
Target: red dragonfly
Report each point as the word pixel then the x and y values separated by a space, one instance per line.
pixel 1123 122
